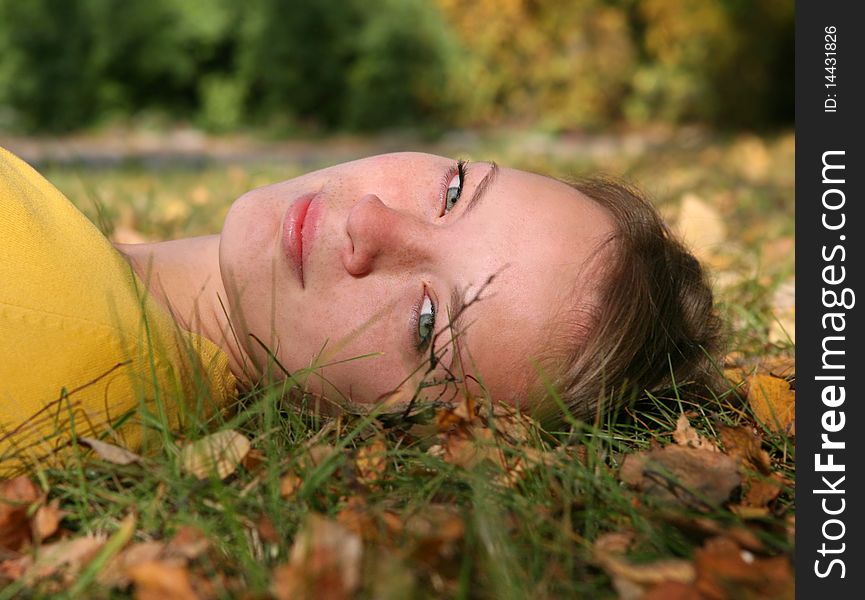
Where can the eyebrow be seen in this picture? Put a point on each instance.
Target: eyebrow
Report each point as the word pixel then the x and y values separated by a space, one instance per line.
pixel 481 189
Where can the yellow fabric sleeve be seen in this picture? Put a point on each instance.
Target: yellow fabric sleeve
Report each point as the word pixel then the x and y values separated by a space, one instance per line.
pixel 82 346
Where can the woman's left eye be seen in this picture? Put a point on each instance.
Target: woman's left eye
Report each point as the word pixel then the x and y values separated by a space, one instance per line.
pixel 454 187
pixel 426 322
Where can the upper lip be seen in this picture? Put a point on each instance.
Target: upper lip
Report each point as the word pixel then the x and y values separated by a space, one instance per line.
pixel 293 228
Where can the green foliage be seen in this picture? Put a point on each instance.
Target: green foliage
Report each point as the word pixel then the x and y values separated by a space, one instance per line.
pixel 404 69
pixel 389 63
pixel 728 62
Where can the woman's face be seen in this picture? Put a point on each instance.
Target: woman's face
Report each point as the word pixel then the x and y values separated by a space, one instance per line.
pixel 360 268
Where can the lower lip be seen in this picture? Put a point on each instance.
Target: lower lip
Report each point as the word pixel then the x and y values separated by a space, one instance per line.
pixel 298 232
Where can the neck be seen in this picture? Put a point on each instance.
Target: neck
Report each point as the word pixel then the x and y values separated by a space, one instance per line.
pixel 183 276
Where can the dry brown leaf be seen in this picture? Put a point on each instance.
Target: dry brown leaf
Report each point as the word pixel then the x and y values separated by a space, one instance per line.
pixel 371 462
pixel 672 590
pixel 781 365
pixel 254 460
pixel 773 402
pixel 324 562
pixel 113 454
pixel 762 491
pixel 289 484
pixel 219 453
pixel 436 532
pixel 158 580
pixel 515 426
pixel 685 435
pixel 632 580
pixel 16 497
pixel 725 571
pixel 189 543
pixel 316 455
pixel 696 478
pixel 115 572
pixel 68 556
pixel 47 519
pixel 744 443
pixel 461 414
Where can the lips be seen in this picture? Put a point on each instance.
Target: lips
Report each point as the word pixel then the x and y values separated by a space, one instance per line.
pixel 298 232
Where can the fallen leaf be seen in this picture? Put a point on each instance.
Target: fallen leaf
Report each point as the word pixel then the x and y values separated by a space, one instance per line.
pixel 783 327
pixel 371 462
pixel 773 402
pixel 16 497
pixel 66 556
pixel 706 527
pixel 685 435
pixel 672 590
pixel 189 543
pixel 725 571
pixel 47 519
pixel 254 460
pixel 267 530
pixel 781 365
pixel 700 225
pixel 113 454
pixel 696 478
pixel 763 490
pixel 157 580
pixel 289 484
pixel 316 455
pixel 744 443
pixel 115 572
pixel 324 562
pixel 461 414
pixel 219 453
pixel 631 580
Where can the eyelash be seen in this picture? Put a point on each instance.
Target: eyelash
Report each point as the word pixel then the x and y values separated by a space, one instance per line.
pixel 458 169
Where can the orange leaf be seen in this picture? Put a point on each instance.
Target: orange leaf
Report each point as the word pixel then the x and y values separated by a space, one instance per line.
pixel 16 496
pixel 773 402
pixel 47 520
pixel 157 580
pixel 324 563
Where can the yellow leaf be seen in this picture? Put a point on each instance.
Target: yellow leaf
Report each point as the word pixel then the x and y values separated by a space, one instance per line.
pixel 701 226
pixel 773 402
pixel 218 453
pixel 371 462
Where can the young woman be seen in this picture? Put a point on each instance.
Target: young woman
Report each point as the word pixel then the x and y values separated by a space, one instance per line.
pixel 398 279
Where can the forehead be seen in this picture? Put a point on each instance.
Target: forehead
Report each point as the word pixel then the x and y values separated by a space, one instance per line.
pixel 541 236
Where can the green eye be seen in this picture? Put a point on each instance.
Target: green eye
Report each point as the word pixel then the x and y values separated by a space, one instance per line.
pixel 426 322
pixel 453 194
pixel 455 187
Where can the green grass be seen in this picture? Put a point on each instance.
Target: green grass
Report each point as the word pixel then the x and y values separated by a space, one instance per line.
pixel 532 538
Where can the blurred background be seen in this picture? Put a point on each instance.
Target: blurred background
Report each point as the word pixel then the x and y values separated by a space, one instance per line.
pixel 330 65
pixel 153 116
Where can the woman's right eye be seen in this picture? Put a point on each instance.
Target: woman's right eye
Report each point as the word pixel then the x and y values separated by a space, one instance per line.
pixel 454 187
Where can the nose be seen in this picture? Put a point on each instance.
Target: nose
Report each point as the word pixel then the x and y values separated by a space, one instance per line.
pixel 382 237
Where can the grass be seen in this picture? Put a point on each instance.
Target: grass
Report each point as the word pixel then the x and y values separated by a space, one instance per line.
pixel 432 526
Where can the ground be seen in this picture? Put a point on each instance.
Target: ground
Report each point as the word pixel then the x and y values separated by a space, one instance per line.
pixel 689 495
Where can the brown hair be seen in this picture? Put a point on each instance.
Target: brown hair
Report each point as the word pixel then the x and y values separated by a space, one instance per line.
pixel 652 323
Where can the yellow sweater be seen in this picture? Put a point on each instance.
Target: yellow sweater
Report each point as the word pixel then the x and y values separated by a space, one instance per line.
pixel 83 348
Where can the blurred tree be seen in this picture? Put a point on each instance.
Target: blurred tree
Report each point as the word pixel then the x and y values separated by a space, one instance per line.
pixel 561 64
pixel 729 62
pixel 405 71
pixel 48 76
pixel 391 63
pixel 294 57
